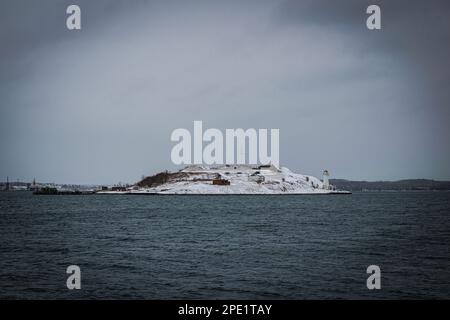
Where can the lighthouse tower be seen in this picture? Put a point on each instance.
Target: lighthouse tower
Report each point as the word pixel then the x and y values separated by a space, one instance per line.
pixel 326 183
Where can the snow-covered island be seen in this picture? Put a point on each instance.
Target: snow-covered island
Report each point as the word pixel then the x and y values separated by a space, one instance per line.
pixel 230 179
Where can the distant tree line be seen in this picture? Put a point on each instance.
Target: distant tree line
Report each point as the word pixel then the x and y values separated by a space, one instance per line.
pixel 401 185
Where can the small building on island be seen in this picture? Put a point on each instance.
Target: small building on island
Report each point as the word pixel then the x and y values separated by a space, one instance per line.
pixel 221 182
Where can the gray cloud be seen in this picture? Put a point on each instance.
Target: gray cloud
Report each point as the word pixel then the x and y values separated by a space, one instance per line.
pixel 98 106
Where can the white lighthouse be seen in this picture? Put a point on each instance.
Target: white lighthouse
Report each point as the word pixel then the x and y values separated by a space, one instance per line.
pixel 326 183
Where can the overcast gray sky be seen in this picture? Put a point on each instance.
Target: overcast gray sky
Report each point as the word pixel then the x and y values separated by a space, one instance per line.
pixel 98 105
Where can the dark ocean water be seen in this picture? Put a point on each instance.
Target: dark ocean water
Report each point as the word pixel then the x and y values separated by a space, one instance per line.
pixel 220 247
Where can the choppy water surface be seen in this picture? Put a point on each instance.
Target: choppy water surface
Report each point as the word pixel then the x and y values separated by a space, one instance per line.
pixel 213 247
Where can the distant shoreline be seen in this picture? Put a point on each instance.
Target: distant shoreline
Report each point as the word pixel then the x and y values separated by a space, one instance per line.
pixel 343 184
pixel 399 185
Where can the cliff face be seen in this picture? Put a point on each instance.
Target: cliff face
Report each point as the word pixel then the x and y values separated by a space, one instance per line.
pixel 231 179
